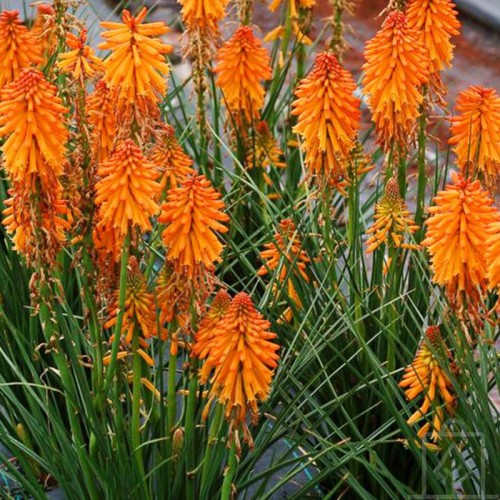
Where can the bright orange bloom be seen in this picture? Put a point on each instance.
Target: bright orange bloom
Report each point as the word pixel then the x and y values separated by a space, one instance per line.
pixel 436 21
pixel 287 255
pixel 81 61
pixel 44 30
pixel 38 225
pixel 100 107
pixel 392 221
pixel 204 337
pixel 245 358
pixel 136 67
pixel 242 64
pixel 173 163
pixel 328 117
pixel 203 13
pixel 193 213
pixel 476 132
pixel 32 118
pixel 139 314
pixel 457 237
pixel 127 189
pixel 493 254
pixel 294 6
pixel 397 65
pixel 427 376
pixel 18 47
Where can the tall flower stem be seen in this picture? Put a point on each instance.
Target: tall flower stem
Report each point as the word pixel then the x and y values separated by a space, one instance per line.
pixel 136 407
pixel 355 251
pixel 211 442
pixel 171 393
pixel 229 473
pixel 189 436
pixel 119 319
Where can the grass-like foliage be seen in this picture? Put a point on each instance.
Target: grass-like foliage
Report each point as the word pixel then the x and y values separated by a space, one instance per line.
pixel 217 285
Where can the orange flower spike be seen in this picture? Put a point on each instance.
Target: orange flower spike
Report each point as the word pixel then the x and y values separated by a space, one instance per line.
pixel 436 21
pixel 328 116
pixel 245 358
pixel 427 376
pixel 203 13
pixel 127 189
pixel 493 255
pixel 193 214
pixel 25 222
pixel 44 29
pixel 173 163
pixel 137 65
pixel 203 337
pixel 475 132
pixel 100 107
pixel 242 64
pixel 392 221
pixel 139 311
pixel 397 65
pixel 81 61
pixel 456 235
pixel 287 245
pixel 32 119
pixel 18 47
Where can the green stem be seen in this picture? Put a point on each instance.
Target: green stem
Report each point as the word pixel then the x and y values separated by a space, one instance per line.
pixel 189 426
pixel 136 404
pixel 171 393
pixel 354 250
pixel 422 177
pixel 119 320
pixel 229 473
pixel 69 388
pixel 211 442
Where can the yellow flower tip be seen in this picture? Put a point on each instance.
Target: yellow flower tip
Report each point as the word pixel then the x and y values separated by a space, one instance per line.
pixel 275 34
pixel 242 64
pixel 396 67
pixel 293 6
pixel 127 189
pixel 392 221
pixel 194 215
pixel 204 336
pixel 456 236
pixel 427 376
pixel 137 67
pixel 301 37
pixel 203 13
pixel 139 312
pixel 475 133
pixel 244 356
pixel 328 115
pixel 173 164
pixel 18 47
pixel 32 119
pixel 287 245
pixel 80 62
pixel 436 22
